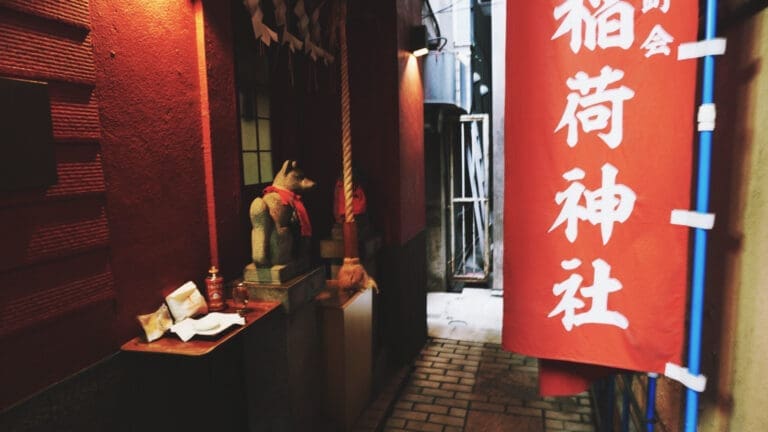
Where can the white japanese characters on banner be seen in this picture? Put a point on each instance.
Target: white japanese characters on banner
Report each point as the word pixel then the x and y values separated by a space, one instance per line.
pixel 596 159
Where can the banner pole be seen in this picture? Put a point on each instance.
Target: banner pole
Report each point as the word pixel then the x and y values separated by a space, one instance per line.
pixel 650 404
pixel 700 239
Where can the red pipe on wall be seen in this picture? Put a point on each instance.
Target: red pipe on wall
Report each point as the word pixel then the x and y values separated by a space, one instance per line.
pixel 205 121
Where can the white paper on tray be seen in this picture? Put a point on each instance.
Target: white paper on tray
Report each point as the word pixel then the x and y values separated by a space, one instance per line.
pixel 211 324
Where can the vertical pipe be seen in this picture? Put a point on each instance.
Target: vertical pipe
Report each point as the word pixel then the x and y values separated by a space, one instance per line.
pixel 486 197
pixel 650 403
pixel 700 239
pixel 462 206
pixel 452 234
pixel 205 126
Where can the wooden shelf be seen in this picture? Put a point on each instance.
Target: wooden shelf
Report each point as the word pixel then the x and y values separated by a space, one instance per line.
pixel 201 345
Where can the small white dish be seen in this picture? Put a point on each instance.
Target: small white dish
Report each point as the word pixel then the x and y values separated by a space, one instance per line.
pixel 208 325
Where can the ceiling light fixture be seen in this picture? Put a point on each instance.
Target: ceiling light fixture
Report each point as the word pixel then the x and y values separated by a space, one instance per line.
pixel 419 41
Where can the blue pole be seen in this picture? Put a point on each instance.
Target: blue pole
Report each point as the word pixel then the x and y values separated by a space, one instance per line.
pixel 700 239
pixel 650 401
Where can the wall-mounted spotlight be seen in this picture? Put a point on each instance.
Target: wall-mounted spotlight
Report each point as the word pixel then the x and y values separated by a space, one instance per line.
pixel 419 41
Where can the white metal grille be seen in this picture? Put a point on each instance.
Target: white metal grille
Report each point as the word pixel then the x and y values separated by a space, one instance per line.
pixel 469 205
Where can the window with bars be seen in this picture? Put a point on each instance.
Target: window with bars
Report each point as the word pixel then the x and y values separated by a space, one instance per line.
pixel 254 100
pixel 255 137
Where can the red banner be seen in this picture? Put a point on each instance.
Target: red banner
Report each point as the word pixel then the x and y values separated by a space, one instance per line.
pixel 598 132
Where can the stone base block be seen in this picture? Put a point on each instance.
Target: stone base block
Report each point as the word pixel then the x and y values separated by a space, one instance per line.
pixel 293 293
pixel 276 274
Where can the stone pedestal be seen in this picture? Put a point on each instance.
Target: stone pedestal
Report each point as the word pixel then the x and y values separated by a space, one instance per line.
pixel 277 274
pixel 287 358
pixel 293 294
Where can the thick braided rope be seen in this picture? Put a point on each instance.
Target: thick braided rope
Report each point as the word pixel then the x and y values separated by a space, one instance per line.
pixel 346 132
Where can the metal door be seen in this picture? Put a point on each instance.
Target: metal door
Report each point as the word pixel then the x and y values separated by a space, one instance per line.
pixel 469 192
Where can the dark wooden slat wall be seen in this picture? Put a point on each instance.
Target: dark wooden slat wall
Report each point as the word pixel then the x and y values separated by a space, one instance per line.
pixel 54 260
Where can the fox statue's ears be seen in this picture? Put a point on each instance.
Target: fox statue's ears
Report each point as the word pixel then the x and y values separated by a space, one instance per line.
pixel 288 165
pixel 284 169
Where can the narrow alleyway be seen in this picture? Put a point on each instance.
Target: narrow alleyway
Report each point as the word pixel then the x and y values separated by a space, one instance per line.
pixel 471 385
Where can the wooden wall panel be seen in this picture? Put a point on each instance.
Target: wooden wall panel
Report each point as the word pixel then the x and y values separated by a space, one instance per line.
pixel 74 13
pixel 39 50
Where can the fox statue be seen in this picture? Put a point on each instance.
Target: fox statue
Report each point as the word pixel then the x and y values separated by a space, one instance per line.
pixel 280 224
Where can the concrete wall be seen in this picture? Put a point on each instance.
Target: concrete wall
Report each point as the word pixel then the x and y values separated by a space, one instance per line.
pixel 439 133
pixel 735 338
pixel 498 66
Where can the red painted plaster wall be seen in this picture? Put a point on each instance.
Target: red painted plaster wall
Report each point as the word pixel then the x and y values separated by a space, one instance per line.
pixel 411 125
pixel 148 93
pixel 411 116
pixel 388 115
pixel 374 116
pixel 148 139
pixel 233 245
pixel 126 106
pixel 55 275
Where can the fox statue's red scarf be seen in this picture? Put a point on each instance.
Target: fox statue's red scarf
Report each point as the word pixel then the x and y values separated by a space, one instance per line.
pixel 294 200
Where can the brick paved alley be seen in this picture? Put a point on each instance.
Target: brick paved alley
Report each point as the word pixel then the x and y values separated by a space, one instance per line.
pixel 477 387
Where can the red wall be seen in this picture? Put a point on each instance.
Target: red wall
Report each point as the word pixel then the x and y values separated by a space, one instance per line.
pixel 388 124
pixel 411 116
pixel 234 247
pixel 56 282
pixel 127 123
pixel 411 124
pixel 127 222
pixel 373 116
pixel 147 87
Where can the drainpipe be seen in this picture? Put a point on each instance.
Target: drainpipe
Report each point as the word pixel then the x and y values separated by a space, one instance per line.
pixel 650 403
pixel 700 239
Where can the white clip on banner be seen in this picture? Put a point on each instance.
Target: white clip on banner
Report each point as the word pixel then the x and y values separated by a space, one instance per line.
pixel 680 374
pixel 706 117
pixel 692 219
pixel 690 50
